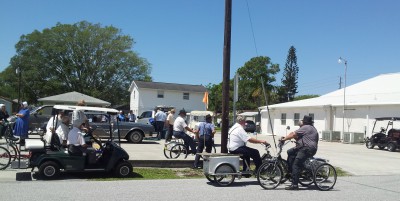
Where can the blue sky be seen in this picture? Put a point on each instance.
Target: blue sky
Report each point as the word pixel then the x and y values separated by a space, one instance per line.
pixel 183 39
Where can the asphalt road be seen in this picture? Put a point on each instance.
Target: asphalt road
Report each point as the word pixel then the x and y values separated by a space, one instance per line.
pixel 347 188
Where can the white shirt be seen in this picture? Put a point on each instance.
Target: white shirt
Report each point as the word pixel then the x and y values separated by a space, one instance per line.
pixel 62 132
pixel 237 137
pixel 75 137
pixel 179 124
pixel 49 126
pixel 171 119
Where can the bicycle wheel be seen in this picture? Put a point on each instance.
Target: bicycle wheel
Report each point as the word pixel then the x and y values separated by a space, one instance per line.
pixel 177 150
pixel 325 177
pixel 306 178
pixel 269 175
pixel 224 174
pixel 167 149
pixel 284 166
pixel 5 158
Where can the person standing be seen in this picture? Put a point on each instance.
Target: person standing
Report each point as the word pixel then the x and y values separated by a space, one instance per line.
pixel 306 146
pixel 170 125
pixel 205 134
pixel 3 118
pixel 22 124
pixel 179 131
pixel 160 118
pixel 121 116
pixel 131 116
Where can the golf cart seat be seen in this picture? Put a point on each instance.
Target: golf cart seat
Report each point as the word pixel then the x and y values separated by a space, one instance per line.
pixel 34 144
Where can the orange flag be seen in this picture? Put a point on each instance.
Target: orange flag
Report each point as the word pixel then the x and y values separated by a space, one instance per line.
pixel 205 99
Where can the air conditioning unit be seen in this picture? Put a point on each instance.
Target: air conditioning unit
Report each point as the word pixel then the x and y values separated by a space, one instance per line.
pixel 331 136
pixel 353 138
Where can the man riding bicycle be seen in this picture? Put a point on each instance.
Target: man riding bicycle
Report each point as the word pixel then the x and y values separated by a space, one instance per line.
pixel 237 144
pixel 306 146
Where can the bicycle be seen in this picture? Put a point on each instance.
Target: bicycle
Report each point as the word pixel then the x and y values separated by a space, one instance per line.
pixel 316 170
pixel 11 144
pixel 176 148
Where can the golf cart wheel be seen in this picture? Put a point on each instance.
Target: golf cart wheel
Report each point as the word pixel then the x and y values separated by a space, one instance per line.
pixel 381 147
pixel 49 170
pixel 369 144
pixel 269 175
pixel 224 174
pixel 391 147
pixel 123 169
pixel 135 137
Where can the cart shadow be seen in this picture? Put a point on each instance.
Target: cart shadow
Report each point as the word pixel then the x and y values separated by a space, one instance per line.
pixel 87 175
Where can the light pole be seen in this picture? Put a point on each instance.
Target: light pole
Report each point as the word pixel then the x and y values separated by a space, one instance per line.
pixel 341 60
pixel 18 72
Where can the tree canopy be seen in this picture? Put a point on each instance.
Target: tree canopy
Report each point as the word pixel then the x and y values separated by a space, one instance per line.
pixel 290 76
pixel 83 57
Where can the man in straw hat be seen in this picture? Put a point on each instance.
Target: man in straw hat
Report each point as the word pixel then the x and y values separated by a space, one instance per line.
pixel 306 146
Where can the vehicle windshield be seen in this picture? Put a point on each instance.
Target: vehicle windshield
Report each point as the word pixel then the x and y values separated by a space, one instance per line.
pixel 386 124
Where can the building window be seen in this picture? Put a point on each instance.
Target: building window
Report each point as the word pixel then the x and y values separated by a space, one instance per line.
pixel 296 118
pixel 160 94
pixel 283 119
pixel 185 96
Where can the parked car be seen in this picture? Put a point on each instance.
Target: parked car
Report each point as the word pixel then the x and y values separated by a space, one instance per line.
pixel 387 136
pixel 133 132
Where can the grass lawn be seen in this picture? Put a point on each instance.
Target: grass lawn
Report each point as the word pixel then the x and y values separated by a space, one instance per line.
pixel 176 173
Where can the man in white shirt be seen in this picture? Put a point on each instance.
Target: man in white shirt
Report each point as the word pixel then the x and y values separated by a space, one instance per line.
pixel 179 131
pixel 63 130
pixel 160 117
pixel 53 122
pixel 237 144
pixel 76 142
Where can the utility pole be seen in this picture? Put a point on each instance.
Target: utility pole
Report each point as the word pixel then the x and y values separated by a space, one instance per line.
pixel 225 76
pixel 340 82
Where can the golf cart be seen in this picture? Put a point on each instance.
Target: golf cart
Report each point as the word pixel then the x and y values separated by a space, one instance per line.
pixel 388 136
pixel 50 158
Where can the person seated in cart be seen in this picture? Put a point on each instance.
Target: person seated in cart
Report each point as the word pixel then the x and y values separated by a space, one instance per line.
pixel 238 138
pixel 76 142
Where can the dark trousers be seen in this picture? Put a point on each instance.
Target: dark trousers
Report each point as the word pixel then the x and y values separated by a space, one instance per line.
pixel 169 134
pixel 203 141
pixel 296 158
pixel 248 153
pixel 188 141
pixel 159 129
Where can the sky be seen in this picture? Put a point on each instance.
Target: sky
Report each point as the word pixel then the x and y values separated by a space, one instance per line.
pixel 183 39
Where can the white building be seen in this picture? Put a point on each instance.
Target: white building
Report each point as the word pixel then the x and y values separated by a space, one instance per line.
pixel 366 100
pixel 146 96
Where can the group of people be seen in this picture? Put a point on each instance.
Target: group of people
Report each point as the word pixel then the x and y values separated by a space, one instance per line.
pixel 131 117
pixel 306 143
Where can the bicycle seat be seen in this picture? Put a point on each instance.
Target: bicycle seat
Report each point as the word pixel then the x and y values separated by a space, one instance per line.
pixel 12 138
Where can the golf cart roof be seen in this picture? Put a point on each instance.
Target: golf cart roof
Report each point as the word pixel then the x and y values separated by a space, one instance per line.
pixel 387 118
pixel 201 113
pixel 86 108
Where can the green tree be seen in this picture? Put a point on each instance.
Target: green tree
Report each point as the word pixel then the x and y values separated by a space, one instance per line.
pixel 290 76
pixel 84 57
pixel 250 85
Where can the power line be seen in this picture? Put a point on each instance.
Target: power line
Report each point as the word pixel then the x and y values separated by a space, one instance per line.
pixel 251 25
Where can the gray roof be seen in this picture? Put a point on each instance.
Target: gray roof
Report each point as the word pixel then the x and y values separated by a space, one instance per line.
pixel 73 98
pixel 170 86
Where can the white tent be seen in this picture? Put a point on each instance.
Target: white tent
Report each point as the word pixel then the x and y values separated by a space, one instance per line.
pixel 364 101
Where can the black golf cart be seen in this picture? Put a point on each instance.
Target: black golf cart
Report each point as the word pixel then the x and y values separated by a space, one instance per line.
pixel 51 158
pixel 388 136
